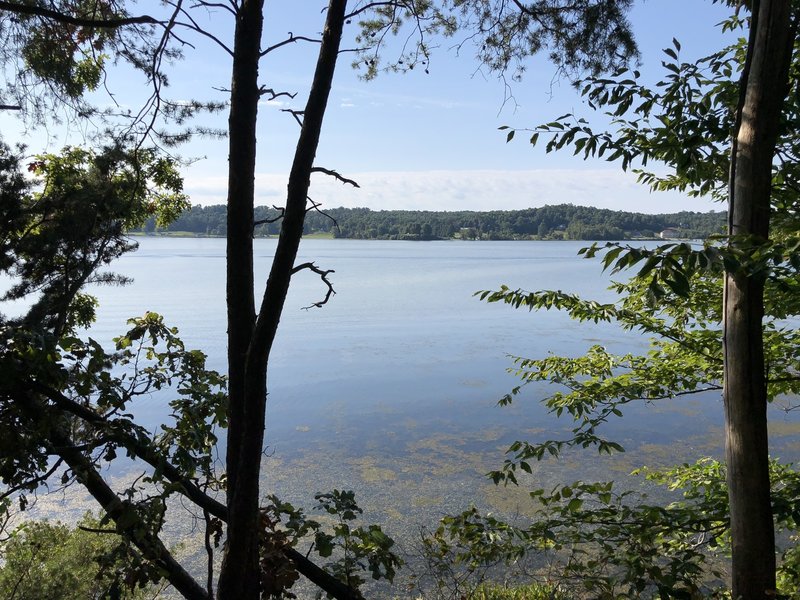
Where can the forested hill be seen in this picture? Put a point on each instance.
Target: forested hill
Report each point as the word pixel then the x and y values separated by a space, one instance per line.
pixel 563 221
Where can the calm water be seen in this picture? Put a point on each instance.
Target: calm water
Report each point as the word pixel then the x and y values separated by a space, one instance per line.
pixel 403 350
pixel 403 338
pixel 391 388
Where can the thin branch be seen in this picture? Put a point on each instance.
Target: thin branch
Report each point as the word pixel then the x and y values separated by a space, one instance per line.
pixel 141 449
pixel 368 6
pixel 335 175
pixel 280 210
pixel 225 7
pixel 40 11
pixel 10 107
pixel 324 276
pixel 315 206
pixel 273 94
pixel 153 103
pixel 97 530
pixel 31 482
pixel 296 114
pixel 210 553
pixel 787 379
pixel 290 40
pixel 193 26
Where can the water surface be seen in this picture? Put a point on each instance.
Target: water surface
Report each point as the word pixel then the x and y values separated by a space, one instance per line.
pixel 391 388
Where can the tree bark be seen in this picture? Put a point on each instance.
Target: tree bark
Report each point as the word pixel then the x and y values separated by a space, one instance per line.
pixel 764 87
pixel 239 575
pixel 250 341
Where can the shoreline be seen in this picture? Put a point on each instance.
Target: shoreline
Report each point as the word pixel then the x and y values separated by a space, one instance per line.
pixel 329 236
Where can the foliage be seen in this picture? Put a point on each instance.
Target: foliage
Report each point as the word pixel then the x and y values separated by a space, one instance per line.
pixel 609 543
pixel 533 591
pixel 56 238
pixel 50 561
pixel 81 380
pixel 354 550
pixel 616 542
pixel 684 358
pixel 65 402
pixel 604 543
pixel 564 221
pixel 51 64
pixel 584 36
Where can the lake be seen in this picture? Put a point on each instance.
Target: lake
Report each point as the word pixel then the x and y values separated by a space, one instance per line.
pixel 403 340
pixel 391 388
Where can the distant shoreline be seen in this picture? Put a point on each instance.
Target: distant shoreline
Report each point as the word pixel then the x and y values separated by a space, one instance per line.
pixel 555 222
pixel 330 236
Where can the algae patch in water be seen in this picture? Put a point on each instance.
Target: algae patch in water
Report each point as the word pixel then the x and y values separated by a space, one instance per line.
pixel 371 472
pixel 783 428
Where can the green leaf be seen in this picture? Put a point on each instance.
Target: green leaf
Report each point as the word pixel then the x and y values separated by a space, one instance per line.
pixel 574 505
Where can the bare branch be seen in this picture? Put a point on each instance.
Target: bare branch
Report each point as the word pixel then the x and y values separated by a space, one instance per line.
pixel 290 40
pixel 280 210
pixel 153 103
pixel 231 8
pixel 193 26
pixel 324 276
pixel 315 206
pixel 10 107
pixel 335 175
pixel 273 94
pixel 296 114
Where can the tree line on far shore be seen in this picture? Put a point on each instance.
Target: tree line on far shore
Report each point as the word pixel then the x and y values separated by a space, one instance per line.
pixel 563 221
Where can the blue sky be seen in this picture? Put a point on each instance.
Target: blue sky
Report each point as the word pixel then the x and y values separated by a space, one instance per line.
pixel 417 141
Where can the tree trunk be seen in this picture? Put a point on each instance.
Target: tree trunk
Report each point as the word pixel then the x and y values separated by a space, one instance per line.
pixel 239 575
pixel 764 87
pixel 250 341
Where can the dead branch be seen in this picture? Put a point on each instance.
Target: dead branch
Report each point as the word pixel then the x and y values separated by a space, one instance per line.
pixel 273 94
pixel 296 114
pixel 335 175
pixel 324 276
pixel 290 40
pixel 97 530
pixel 280 210
pixel 315 206
pixel 207 535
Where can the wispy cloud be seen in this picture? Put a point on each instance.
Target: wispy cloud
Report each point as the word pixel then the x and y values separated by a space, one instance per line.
pixel 376 98
pixel 467 190
pixel 273 103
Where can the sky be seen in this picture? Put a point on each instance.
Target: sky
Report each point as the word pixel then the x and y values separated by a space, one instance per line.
pixel 415 140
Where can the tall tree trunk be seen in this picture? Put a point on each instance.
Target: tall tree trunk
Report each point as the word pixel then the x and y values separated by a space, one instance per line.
pixel 249 340
pixel 239 576
pixel 764 87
